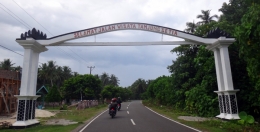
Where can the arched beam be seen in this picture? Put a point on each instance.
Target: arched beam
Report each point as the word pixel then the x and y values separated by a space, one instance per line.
pixel 125 43
pixel 125 26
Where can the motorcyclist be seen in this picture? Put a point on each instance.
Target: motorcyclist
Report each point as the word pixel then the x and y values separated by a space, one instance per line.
pixel 119 101
pixel 113 104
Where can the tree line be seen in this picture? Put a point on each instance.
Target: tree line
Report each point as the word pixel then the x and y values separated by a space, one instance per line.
pixel 63 84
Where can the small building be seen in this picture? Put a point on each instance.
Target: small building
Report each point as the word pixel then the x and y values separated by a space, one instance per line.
pixel 43 91
pixel 10 82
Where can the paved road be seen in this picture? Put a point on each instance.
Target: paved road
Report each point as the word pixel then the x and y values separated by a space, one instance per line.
pixel 134 117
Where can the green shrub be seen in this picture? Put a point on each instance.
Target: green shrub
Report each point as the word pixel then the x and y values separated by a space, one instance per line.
pixel 64 107
pixel 245 119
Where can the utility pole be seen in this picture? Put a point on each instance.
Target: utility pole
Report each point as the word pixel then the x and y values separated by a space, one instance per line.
pixel 90 69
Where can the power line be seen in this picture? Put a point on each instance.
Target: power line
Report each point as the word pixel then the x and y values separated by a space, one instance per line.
pixel 46 30
pixel 14 17
pixel 11 50
pixel 32 17
pixel 27 28
pixel 78 56
pixel 67 53
pixel 90 69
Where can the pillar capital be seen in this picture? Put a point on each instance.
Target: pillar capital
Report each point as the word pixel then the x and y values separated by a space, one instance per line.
pixel 24 97
pixel 220 43
pixel 231 91
pixel 30 43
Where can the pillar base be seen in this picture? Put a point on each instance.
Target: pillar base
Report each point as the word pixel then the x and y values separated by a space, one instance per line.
pixel 27 97
pixel 221 115
pixel 25 111
pixel 23 124
pixel 228 104
pixel 232 117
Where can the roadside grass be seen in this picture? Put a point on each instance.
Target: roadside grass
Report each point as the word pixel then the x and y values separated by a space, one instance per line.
pixel 72 114
pixel 211 125
pixel 80 115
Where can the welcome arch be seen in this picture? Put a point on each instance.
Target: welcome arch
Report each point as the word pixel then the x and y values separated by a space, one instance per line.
pixel 34 42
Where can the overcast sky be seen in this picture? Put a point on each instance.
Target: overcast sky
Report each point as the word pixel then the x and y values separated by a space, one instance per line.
pixel 128 63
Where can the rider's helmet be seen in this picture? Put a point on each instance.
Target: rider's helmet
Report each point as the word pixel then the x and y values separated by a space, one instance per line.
pixel 118 97
pixel 113 100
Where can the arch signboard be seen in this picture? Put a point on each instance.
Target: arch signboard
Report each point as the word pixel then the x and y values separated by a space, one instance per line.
pixel 123 26
pixel 35 42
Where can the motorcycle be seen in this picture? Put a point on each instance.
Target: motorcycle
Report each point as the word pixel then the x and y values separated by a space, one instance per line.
pixel 112 112
pixel 118 106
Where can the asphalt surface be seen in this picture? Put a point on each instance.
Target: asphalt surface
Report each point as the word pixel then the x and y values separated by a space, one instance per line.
pixel 134 117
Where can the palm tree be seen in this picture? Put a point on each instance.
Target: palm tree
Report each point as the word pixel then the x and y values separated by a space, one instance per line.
pixel 191 27
pixel 105 79
pixel 41 73
pixel 205 17
pixel 18 68
pixel 58 76
pixel 48 71
pixel 96 75
pixel 66 72
pixel 114 80
pixel 139 87
pixel 6 64
pixel 74 74
pixel 221 18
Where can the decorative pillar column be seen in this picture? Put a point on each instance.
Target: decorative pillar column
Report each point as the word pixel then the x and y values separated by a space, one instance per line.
pixel 221 99
pixel 229 93
pixel 226 93
pixel 27 98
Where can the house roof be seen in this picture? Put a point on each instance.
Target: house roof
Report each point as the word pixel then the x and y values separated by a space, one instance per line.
pixel 42 90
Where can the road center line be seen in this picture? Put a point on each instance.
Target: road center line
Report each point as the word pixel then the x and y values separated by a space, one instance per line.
pixel 133 121
pixel 127 112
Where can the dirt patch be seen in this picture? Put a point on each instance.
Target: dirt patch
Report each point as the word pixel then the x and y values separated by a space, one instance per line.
pixel 38 113
pixel 11 119
pixel 59 122
pixel 191 118
pixel 43 113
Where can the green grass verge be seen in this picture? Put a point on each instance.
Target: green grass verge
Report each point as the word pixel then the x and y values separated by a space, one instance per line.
pixel 72 114
pixel 213 125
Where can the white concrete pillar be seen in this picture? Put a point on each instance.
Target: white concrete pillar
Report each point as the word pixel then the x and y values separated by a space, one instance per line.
pixel 26 72
pixel 230 93
pixel 34 73
pixel 219 72
pixel 27 98
pixel 226 70
pixel 220 82
pixel 226 93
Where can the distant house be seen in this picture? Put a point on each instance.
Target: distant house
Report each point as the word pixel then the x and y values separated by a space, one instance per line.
pixel 43 91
